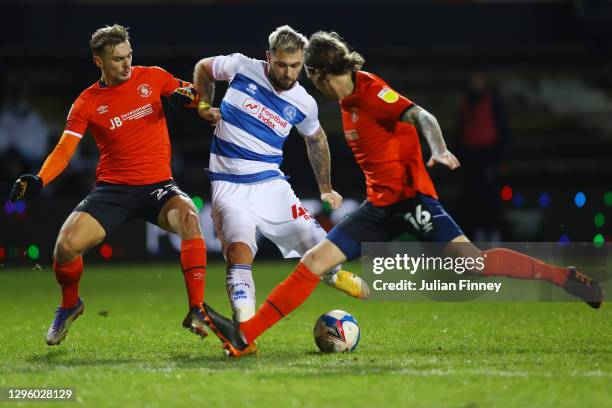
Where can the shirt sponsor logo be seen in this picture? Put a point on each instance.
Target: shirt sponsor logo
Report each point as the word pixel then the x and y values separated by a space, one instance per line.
pixel 388 95
pixel 137 113
pixel 251 105
pixel 263 114
pixel 102 109
pixel 144 90
pixel 271 119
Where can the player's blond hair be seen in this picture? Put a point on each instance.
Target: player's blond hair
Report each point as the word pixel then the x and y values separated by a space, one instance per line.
pixel 287 40
pixel 327 53
pixel 109 35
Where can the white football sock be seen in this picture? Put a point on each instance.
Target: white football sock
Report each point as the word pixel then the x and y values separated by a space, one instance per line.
pixel 241 291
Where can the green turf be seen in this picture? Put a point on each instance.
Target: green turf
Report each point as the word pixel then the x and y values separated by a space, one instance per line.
pixel 411 354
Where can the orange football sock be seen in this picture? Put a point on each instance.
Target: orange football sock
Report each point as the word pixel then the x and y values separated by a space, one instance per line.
pixel 68 276
pixel 504 262
pixel 193 262
pixel 285 297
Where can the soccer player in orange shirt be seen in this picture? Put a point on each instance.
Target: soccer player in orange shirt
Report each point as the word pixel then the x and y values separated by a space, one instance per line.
pixel 381 126
pixel 123 112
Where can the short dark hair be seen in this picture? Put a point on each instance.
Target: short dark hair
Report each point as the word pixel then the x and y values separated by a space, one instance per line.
pixel 109 35
pixel 327 53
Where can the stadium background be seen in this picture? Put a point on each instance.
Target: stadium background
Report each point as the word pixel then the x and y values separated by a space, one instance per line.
pixel 550 62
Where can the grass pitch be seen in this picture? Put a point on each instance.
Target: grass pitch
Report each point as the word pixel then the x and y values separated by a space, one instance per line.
pixel 129 348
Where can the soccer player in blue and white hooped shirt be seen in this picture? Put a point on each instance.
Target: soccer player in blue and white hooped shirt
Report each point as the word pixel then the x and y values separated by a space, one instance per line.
pixel 264 101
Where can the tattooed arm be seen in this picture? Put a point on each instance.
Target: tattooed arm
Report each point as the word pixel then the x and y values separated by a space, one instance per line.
pixel 318 154
pixel 428 126
pixel 204 84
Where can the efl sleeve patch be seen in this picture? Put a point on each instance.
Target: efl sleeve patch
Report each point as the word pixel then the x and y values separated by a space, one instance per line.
pixel 388 95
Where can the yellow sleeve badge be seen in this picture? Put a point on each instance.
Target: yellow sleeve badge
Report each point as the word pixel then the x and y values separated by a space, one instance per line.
pixel 388 95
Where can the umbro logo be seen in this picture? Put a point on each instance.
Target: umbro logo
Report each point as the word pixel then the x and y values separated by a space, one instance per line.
pixel 102 109
pixel 420 220
pixel 239 294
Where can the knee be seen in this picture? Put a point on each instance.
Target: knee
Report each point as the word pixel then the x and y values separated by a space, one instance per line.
pixel 315 261
pixel 66 248
pixel 190 224
pixel 239 252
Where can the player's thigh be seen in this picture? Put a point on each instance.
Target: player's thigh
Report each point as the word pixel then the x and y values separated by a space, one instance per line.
pixel 234 223
pixel 79 232
pixel 179 215
pixel 323 256
pixel 96 216
pixel 284 220
pixel 110 205
pixel 366 224
pixel 308 238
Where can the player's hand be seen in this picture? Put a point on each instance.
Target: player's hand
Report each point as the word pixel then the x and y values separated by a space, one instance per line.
pixel 213 115
pixel 185 96
pixel 446 158
pixel 333 199
pixel 26 183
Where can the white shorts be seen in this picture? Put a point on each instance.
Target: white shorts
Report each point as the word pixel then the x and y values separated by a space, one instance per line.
pixel 270 207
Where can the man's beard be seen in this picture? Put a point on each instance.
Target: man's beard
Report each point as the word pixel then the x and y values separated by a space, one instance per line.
pixel 277 84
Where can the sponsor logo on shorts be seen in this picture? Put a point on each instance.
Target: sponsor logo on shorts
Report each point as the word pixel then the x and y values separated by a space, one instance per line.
pixel 420 220
pixel 299 211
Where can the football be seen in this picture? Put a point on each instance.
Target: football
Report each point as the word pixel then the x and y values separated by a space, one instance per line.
pixel 336 332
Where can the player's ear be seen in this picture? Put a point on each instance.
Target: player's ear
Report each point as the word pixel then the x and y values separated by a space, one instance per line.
pixel 268 56
pixel 98 61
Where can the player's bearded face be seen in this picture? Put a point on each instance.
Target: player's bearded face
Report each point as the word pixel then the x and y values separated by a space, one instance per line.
pixel 116 63
pixel 284 68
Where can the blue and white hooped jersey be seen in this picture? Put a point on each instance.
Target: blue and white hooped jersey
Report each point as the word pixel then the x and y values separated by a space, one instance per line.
pixel 256 120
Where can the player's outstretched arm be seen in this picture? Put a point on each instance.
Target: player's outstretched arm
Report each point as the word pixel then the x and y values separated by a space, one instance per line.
pixel 204 84
pixel 318 154
pixel 428 126
pixel 52 167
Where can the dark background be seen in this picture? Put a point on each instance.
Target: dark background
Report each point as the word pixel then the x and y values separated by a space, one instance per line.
pixel 548 61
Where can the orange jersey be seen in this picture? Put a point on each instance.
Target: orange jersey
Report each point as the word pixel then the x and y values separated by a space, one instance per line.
pixel 387 150
pixel 129 126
